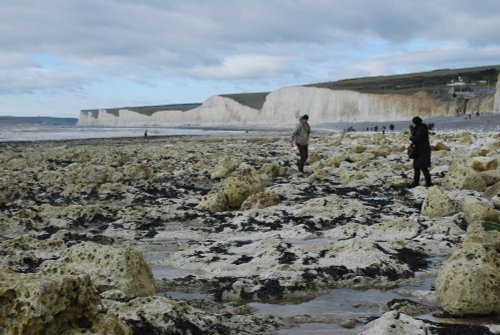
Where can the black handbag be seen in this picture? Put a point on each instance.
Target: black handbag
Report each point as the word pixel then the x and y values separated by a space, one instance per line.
pixel 411 151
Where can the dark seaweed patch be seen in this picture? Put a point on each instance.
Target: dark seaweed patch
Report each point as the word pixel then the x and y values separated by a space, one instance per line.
pixel 242 260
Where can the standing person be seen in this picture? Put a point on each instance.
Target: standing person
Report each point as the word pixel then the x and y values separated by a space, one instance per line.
pixel 146 135
pixel 422 160
pixel 300 137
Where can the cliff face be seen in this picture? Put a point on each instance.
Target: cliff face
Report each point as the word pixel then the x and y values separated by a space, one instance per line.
pixel 496 103
pixel 285 105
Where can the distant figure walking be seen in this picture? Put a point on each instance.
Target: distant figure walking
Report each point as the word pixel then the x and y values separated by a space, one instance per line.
pixel 146 135
pixel 391 127
pixel 300 137
pixel 422 161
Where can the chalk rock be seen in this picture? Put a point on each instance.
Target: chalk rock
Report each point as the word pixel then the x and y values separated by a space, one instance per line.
pixel 440 146
pixel 109 267
pixel 313 158
pixel 225 166
pixel 476 209
pixel 160 315
pixel 491 177
pixel 437 203
pixel 484 163
pixel 396 323
pixel 335 160
pixel 238 188
pixel 469 281
pixel 347 177
pixel 270 170
pixel 260 200
pixel 34 304
pixel 462 177
pixel 492 191
pixel 214 202
pixel 24 253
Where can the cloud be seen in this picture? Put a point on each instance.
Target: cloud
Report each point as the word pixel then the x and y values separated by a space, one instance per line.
pixel 244 66
pixel 271 40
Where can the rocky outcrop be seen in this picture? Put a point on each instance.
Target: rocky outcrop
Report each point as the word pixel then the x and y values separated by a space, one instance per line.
pixel 109 268
pixel 469 281
pixel 34 304
pixel 460 176
pixel 437 203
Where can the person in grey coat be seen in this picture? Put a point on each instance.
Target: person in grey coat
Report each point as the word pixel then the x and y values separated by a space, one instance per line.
pixel 300 137
pixel 422 161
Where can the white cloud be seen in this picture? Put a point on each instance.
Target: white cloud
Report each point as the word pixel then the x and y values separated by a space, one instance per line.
pixel 244 66
pixel 238 41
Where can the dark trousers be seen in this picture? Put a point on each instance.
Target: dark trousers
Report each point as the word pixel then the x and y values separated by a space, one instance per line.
pixel 303 156
pixel 416 176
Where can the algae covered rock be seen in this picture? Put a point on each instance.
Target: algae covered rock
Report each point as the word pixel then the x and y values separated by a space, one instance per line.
pixel 437 203
pixel 469 281
pixel 476 209
pixel 484 163
pixel 260 200
pixel 109 267
pixel 34 304
pixel 462 177
pixel 214 202
pixel 239 188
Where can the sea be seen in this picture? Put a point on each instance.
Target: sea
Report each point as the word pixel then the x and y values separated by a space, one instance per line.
pixel 485 122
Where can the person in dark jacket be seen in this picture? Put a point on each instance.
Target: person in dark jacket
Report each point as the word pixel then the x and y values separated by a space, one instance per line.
pixel 300 137
pixel 422 161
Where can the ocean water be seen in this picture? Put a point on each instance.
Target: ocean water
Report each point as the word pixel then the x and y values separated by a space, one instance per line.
pixel 46 133
pixel 486 122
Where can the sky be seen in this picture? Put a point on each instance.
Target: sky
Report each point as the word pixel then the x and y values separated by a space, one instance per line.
pixel 58 57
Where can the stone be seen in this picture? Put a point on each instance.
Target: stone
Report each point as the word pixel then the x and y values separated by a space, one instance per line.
pixel 214 202
pixel 492 191
pixel 109 268
pixel 440 146
pixel 25 253
pixel 239 188
pixel 491 177
pixel 462 177
pixel 260 200
pixel 469 281
pixel 34 304
pixel 270 170
pixel 225 166
pixel 484 163
pixel 437 203
pixel 476 209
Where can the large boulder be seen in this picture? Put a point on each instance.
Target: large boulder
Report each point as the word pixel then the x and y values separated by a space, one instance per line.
pixel 34 304
pixel 462 177
pixel 437 203
pixel 109 268
pixel 469 281
pixel 477 210
pixel 214 202
pixel 239 188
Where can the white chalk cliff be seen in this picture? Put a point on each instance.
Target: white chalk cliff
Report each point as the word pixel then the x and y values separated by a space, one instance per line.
pixel 283 106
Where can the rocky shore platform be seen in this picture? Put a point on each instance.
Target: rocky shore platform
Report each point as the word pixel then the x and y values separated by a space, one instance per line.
pixel 187 235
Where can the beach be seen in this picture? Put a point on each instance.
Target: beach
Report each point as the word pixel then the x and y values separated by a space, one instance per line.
pixel 220 234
